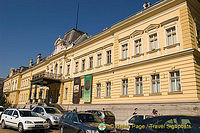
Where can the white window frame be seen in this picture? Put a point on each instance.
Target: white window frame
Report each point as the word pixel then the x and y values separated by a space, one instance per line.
pixel 141 88
pixel 108 88
pixel 89 65
pixel 168 26
pixel 170 85
pixel 121 44
pixel 82 64
pixel 156 81
pixel 126 87
pixel 76 67
pixel 98 94
pixel 152 32
pixel 97 63
pixel 105 55
pixel 135 39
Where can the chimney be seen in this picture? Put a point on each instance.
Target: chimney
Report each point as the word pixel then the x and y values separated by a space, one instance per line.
pixel 31 63
pixel 38 58
pixel 146 5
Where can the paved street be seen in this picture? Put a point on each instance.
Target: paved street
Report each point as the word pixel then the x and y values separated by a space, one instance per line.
pixel 15 131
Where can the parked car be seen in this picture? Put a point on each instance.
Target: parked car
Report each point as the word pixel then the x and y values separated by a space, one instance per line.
pixel 123 126
pixel 82 122
pixel 1 109
pixel 106 116
pixel 168 124
pixel 51 114
pixel 23 120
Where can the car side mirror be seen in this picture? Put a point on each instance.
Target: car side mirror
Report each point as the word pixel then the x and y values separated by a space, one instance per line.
pixel 42 113
pixel 16 116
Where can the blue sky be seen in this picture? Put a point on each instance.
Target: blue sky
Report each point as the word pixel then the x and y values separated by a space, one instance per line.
pixel 29 27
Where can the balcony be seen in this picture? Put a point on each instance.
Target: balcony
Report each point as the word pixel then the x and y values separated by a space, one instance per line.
pixel 46 78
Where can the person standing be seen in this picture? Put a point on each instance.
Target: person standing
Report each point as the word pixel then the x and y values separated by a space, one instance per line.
pixel 135 111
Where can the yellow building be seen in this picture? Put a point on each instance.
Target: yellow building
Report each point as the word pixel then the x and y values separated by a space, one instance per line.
pixel 148 60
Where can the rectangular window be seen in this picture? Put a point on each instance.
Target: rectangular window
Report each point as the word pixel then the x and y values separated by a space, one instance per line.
pixel 175 81
pixel 139 86
pixel 124 87
pixel 76 67
pixel 91 62
pixel 60 70
pixel 83 64
pixel 153 42
pixel 124 51
pixel 66 91
pixel 99 59
pixel 68 69
pixel 171 36
pixel 138 46
pixel 82 92
pixel 108 56
pixel 98 91
pixel 155 81
pixel 108 89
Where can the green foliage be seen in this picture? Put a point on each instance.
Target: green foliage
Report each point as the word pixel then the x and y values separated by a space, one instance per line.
pixel 3 101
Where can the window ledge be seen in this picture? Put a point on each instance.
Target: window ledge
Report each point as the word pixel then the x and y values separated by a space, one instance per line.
pixel 89 68
pixel 75 72
pixel 138 95
pixel 97 97
pixel 137 55
pixel 82 70
pixel 98 66
pixel 107 97
pixel 153 51
pixel 171 46
pixel 124 59
pixel 107 64
pixel 155 94
pixel 175 92
pixel 124 95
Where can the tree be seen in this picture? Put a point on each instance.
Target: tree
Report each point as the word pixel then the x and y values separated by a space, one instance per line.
pixel 3 101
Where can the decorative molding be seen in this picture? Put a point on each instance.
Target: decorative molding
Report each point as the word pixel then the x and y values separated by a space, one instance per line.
pixel 136 33
pixel 169 21
pixel 151 27
pixel 124 38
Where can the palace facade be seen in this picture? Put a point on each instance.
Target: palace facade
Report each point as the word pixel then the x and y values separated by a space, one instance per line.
pixel 149 60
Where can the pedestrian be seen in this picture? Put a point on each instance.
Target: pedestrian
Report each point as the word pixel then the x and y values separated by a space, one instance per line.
pixel 153 112
pixel 156 113
pixel 135 111
pixel 75 110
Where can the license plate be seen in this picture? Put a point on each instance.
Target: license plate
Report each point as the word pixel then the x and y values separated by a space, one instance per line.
pixel 39 126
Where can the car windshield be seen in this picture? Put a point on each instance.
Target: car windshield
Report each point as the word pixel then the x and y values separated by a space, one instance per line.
pixel 89 118
pixel 108 113
pixel 27 114
pixel 52 110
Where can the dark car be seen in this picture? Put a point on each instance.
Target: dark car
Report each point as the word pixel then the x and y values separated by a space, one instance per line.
pixel 167 124
pixel 106 116
pixel 82 122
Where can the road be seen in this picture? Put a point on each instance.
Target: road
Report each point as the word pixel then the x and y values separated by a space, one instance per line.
pixel 15 131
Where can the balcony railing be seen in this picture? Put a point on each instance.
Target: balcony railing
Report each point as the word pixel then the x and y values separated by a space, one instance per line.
pixel 47 75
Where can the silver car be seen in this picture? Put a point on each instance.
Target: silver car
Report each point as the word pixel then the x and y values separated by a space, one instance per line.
pixel 51 114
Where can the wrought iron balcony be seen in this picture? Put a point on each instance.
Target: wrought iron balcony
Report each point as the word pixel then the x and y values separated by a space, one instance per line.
pixel 47 75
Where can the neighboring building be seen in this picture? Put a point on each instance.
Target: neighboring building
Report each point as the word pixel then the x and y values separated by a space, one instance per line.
pixel 148 60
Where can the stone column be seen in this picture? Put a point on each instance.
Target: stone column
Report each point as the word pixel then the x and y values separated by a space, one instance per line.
pixel 35 94
pixel 30 93
pixel 61 93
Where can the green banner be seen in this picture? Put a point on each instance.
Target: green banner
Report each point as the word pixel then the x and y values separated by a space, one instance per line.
pixel 87 88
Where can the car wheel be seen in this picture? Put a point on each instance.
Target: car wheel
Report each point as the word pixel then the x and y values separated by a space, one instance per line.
pixel 20 128
pixel 80 131
pixel 3 124
pixel 61 129
pixel 49 122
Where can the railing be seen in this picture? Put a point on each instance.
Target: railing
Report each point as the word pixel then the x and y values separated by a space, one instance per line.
pixel 47 75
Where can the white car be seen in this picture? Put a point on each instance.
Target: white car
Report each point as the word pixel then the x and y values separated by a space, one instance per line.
pixel 51 114
pixel 123 126
pixel 23 120
pixel 1 109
